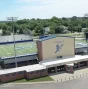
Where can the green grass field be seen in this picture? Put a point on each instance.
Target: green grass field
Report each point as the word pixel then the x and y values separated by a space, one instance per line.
pixel 21 49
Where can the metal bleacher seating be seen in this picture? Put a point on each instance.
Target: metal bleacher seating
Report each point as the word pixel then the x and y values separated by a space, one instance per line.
pixel 17 38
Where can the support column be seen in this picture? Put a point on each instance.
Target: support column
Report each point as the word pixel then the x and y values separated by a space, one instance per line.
pixel 78 64
pixel 87 63
pixel 56 69
pixel 71 69
pixel 65 66
pixel 1 79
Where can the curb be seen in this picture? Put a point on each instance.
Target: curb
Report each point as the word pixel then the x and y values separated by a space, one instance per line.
pixel 34 82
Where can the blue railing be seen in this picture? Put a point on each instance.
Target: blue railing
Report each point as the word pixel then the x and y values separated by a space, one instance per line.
pixel 11 42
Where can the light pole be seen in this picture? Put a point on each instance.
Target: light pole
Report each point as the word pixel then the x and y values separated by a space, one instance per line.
pixel 86 16
pixel 12 19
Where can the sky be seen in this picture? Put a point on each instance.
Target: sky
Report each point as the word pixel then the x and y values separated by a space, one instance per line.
pixel 28 9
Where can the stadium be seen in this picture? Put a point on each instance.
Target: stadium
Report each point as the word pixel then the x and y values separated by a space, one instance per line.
pixel 36 59
pixel 25 49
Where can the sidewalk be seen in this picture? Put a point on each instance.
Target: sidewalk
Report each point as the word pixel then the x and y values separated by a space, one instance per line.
pixel 68 76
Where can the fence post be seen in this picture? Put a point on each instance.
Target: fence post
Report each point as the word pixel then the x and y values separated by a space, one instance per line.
pixel 86 73
pixel 73 77
pixel 80 75
pixel 61 79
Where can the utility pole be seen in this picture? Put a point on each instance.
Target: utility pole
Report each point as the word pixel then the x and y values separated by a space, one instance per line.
pixel 12 19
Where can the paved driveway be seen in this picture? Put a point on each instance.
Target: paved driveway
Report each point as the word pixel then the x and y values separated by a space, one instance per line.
pixel 81 83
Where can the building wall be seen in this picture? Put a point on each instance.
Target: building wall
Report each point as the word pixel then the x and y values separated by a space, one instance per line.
pixel 1 78
pixel 13 76
pixel 32 75
pixel 22 74
pixel 37 74
pixel 39 46
pixel 49 48
pixel 44 72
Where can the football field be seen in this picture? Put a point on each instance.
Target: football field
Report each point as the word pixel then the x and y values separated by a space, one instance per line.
pixel 7 50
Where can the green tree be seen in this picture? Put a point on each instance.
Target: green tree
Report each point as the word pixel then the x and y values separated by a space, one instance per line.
pixel 39 29
pixel 6 32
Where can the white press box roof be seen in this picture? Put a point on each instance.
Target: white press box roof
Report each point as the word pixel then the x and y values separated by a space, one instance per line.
pixel 35 67
pixel 58 62
pixel 29 68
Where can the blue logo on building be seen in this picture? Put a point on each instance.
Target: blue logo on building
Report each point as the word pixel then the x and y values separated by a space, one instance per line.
pixel 59 46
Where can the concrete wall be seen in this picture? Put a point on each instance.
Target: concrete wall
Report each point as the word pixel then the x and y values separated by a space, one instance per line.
pixel 48 48
pixel 20 59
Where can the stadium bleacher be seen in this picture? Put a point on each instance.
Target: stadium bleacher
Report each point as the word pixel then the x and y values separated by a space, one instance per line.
pixel 17 38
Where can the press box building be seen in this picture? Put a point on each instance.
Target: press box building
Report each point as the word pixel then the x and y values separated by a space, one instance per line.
pixel 55 47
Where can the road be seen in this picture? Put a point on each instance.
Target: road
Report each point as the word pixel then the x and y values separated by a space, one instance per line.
pixel 81 83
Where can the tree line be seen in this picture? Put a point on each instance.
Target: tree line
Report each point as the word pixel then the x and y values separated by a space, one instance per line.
pixel 56 25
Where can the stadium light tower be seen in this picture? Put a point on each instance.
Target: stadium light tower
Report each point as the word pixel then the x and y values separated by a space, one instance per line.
pixel 86 16
pixel 13 19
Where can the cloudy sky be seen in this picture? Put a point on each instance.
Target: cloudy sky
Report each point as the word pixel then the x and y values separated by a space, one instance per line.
pixel 27 9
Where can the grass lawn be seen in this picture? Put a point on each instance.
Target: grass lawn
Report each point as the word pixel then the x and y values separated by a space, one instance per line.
pixel 47 78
